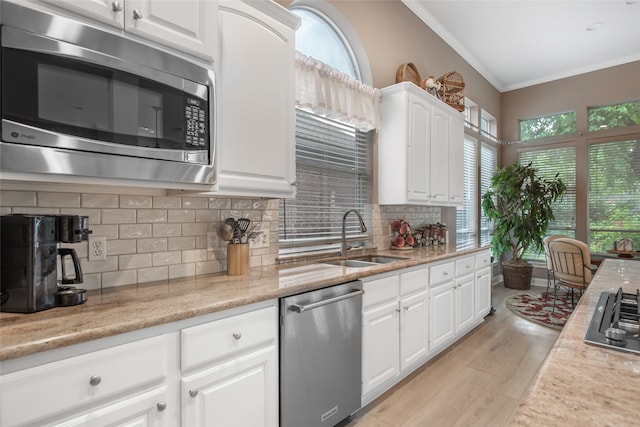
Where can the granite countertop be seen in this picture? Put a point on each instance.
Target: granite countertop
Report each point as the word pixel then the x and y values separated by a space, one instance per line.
pixel 584 384
pixel 124 309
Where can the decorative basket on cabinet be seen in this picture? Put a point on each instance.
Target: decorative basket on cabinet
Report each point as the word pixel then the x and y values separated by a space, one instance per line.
pixel 452 90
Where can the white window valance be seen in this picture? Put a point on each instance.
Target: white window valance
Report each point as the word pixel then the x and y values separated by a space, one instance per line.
pixel 328 92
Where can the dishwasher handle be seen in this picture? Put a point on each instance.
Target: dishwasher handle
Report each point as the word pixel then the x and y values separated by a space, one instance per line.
pixel 298 308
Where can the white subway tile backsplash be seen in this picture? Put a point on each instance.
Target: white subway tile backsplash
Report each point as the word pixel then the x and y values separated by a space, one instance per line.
pixel 194 255
pixel 181 215
pixel 154 244
pixel 59 200
pixel 121 247
pixel 167 230
pixel 163 202
pixel 194 229
pixel 182 270
pixel 18 198
pixel 181 243
pixel 134 231
pixel 151 215
pixel 119 278
pixel 100 201
pixel 138 202
pixel 153 274
pixel 166 258
pixel 127 262
pixel 219 204
pixel 150 237
pixel 195 202
pixel 118 216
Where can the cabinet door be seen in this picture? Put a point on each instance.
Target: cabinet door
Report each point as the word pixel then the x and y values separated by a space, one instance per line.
pixel 380 341
pixel 465 309
pixel 418 177
pixel 414 329
pixel 456 159
pixel 189 25
pixel 149 409
pixel 256 109
pixel 483 292
pixel 439 160
pixel 107 11
pixel 441 315
pixel 240 392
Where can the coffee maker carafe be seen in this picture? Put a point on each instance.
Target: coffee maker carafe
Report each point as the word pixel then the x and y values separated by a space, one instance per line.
pixel 29 258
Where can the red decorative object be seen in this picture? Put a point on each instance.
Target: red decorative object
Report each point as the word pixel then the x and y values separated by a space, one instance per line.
pixel 402 235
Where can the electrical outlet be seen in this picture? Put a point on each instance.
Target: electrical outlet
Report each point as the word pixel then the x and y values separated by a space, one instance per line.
pixel 97 248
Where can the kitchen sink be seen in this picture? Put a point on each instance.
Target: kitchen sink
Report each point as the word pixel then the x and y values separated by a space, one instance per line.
pixel 351 263
pixel 365 261
pixel 379 259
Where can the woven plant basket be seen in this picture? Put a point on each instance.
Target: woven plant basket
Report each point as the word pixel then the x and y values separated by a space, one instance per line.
pixel 452 90
pixel 517 276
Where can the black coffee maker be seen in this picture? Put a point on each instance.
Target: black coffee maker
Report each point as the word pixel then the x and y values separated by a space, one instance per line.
pixel 29 258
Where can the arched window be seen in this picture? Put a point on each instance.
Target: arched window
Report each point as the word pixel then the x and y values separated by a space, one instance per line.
pixel 319 38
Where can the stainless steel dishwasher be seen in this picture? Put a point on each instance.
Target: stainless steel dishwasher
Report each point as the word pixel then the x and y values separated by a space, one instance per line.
pixel 320 356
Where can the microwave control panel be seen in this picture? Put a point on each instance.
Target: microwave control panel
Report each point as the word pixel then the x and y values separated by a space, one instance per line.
pixel 195 120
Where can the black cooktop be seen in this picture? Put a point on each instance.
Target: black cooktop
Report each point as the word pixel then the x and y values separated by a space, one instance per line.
pixel 616 322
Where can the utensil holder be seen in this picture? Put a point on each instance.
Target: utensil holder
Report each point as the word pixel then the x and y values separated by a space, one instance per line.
pixel 237 259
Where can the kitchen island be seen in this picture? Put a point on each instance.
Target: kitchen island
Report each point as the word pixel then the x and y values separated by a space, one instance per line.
pixel 584 384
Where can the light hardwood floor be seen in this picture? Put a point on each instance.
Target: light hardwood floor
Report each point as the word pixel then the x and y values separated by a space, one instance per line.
pixel 476 382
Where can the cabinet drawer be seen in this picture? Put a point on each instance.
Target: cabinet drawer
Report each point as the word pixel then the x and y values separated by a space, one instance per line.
pixel 464 266
pixel 32 394
pixel 413 281
pixel 483 260
pixel 440 273
pixel 379 291
pixel 229 336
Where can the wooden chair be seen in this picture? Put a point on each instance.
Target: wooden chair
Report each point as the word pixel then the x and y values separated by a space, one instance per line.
pixel 550 278
pixel 571 260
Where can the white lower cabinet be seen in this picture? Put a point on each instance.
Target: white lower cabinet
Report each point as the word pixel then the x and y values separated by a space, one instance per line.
pixel 395 328
pixel 230 371
pixel 124 385
pixel 239 392
pixel 219 369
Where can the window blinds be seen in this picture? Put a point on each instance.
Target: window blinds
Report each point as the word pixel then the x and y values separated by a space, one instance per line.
pixel 333 175
pixel 488 165
pixel 614 194
pixel 547 163
pixel 466 224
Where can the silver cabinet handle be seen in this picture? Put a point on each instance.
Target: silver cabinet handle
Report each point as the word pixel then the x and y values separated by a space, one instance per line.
pixel 193 392
pixel 406 308
pixel 137 14
pixel 161 406
pixel 237 335
pixel 116 6
pixel 95 380
pixel 397 310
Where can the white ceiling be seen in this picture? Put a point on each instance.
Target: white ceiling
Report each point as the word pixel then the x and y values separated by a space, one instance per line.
pixel 519 43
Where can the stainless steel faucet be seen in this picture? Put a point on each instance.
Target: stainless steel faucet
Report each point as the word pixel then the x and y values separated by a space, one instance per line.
pixel 363 228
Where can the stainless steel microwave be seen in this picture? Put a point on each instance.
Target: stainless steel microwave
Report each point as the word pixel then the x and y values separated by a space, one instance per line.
pixel 77 100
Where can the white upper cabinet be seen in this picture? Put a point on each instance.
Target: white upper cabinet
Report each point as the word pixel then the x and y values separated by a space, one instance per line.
pixel 188 26
pixel 256 106
pixel 420 158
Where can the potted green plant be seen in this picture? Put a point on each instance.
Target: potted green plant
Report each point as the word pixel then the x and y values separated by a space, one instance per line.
pixel 519 204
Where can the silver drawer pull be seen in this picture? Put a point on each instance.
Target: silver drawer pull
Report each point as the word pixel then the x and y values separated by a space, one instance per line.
pixel 237 335
pixel 193 392
pixel 161 406
pixel 137 14
pixel 116 6
pixel 95 380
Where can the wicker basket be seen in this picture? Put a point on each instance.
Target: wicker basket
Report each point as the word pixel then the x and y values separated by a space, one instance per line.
pixel 452 90
pixel 517 276
pixel 408 73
